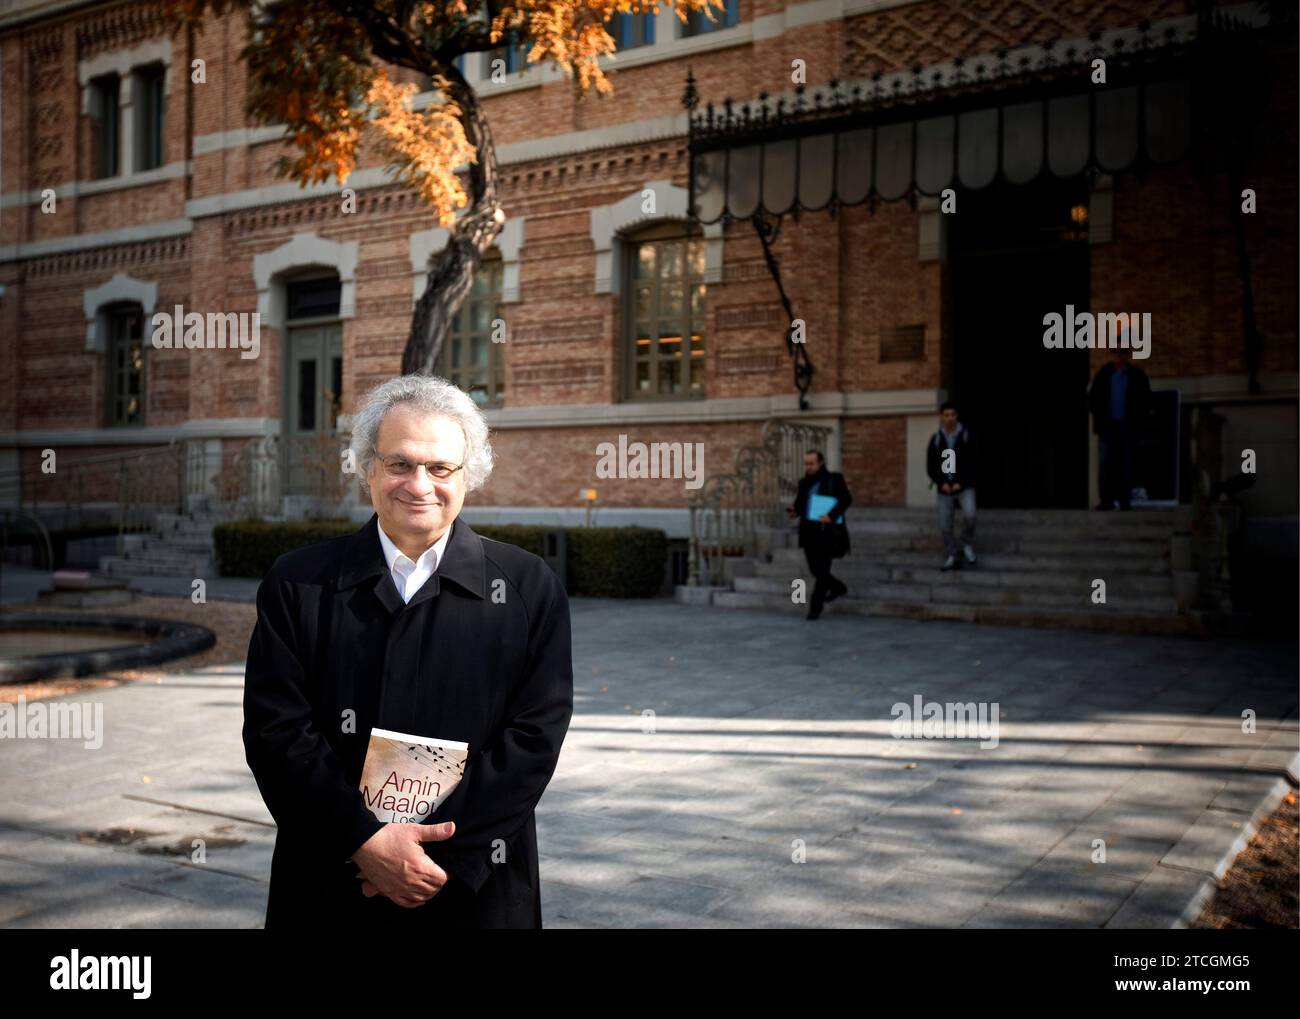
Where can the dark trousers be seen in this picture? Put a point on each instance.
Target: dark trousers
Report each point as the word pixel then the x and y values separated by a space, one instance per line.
pixel 1115 446
pixel 816 542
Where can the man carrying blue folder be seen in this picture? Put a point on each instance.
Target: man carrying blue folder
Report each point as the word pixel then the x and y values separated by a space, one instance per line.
pixel 819 504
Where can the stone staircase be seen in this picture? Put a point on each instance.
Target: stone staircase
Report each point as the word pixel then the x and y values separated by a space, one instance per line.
pixel 1036 568
pixel 180 545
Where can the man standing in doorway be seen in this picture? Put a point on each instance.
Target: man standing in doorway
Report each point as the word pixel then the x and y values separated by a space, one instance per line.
pixel 950 462
pixel 819 504
pixel 1120 399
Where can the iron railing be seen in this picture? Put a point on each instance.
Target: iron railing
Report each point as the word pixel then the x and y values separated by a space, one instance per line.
pixel 136 484
pixel 128 489
pixel 729 511
pixel 310 467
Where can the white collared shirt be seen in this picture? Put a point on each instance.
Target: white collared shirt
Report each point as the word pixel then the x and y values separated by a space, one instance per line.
pixel 409 577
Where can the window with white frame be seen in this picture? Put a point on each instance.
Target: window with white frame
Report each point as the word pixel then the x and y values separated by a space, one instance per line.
pixel 665 291
pixel 125 103
pixel 630 31
pixel 508 58
pixel 726 14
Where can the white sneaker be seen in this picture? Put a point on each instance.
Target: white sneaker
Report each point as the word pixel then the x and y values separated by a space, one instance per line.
pixel 969 553
pixel 949 564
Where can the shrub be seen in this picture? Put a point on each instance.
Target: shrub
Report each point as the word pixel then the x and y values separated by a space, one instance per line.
pixel 604 562
pixel 247 548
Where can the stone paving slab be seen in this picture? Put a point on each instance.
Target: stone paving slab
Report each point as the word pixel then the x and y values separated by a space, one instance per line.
pixel 766 790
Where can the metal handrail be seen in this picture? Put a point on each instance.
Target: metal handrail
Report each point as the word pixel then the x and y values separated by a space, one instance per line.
pixel 41 530
pixel 133 488
pixel 132 479
pixel 255 478
pixel 181 474
pixel 729 509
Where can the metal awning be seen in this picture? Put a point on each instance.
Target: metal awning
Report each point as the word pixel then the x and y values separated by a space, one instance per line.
pixel 967 125
pixel 1198 85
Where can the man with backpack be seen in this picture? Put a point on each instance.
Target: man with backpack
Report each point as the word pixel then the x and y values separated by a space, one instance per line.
pixel 951 463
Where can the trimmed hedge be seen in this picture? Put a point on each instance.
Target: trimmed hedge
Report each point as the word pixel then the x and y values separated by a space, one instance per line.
pixel 247 548
pixel 604 562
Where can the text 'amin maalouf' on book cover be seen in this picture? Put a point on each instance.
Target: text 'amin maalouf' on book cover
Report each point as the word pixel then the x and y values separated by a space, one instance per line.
pixel 406 777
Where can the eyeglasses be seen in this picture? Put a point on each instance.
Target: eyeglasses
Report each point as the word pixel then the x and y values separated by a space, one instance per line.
pixel 400 467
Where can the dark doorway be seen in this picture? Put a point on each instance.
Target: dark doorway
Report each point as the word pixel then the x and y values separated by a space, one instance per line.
pixel 1017 253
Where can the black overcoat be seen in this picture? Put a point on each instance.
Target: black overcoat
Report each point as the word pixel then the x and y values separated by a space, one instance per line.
pixel 481 654
pixel 832 484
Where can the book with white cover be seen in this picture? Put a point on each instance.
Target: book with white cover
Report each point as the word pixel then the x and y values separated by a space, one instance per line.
pixel 406 777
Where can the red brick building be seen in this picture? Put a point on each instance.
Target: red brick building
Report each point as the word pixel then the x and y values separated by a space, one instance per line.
pixel 130 187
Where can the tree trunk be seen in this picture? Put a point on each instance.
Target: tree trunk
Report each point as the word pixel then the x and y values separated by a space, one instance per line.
pixel 452 273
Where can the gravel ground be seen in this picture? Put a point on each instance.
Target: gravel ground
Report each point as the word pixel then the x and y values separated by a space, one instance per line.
pixel 1259 890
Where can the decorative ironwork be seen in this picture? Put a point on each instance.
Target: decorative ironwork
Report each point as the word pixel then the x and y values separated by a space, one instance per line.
pixel 313 465
pixel 729 511
pixel 127 490
pixel 917 132
pixel 251 481
pixel 1011 115
pixel 1215 518
pixel 308 468
pixel 151 482
pixel 136 484
pixel 768 229
pixel 11 520
pixel 1039 71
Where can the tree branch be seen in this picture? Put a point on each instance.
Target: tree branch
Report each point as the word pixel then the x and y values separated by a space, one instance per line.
pixel 389 40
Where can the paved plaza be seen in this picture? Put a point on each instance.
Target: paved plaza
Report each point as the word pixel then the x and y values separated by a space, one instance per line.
pixel 736 769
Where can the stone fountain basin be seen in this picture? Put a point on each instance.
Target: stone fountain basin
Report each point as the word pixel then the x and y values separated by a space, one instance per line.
pixel 39 645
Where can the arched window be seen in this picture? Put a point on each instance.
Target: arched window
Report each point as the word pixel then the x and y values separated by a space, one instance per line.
pixel 125 375
pixel 475 353
pixel 664 319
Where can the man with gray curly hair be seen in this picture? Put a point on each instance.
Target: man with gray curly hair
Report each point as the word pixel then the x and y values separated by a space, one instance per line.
pixel 414 624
